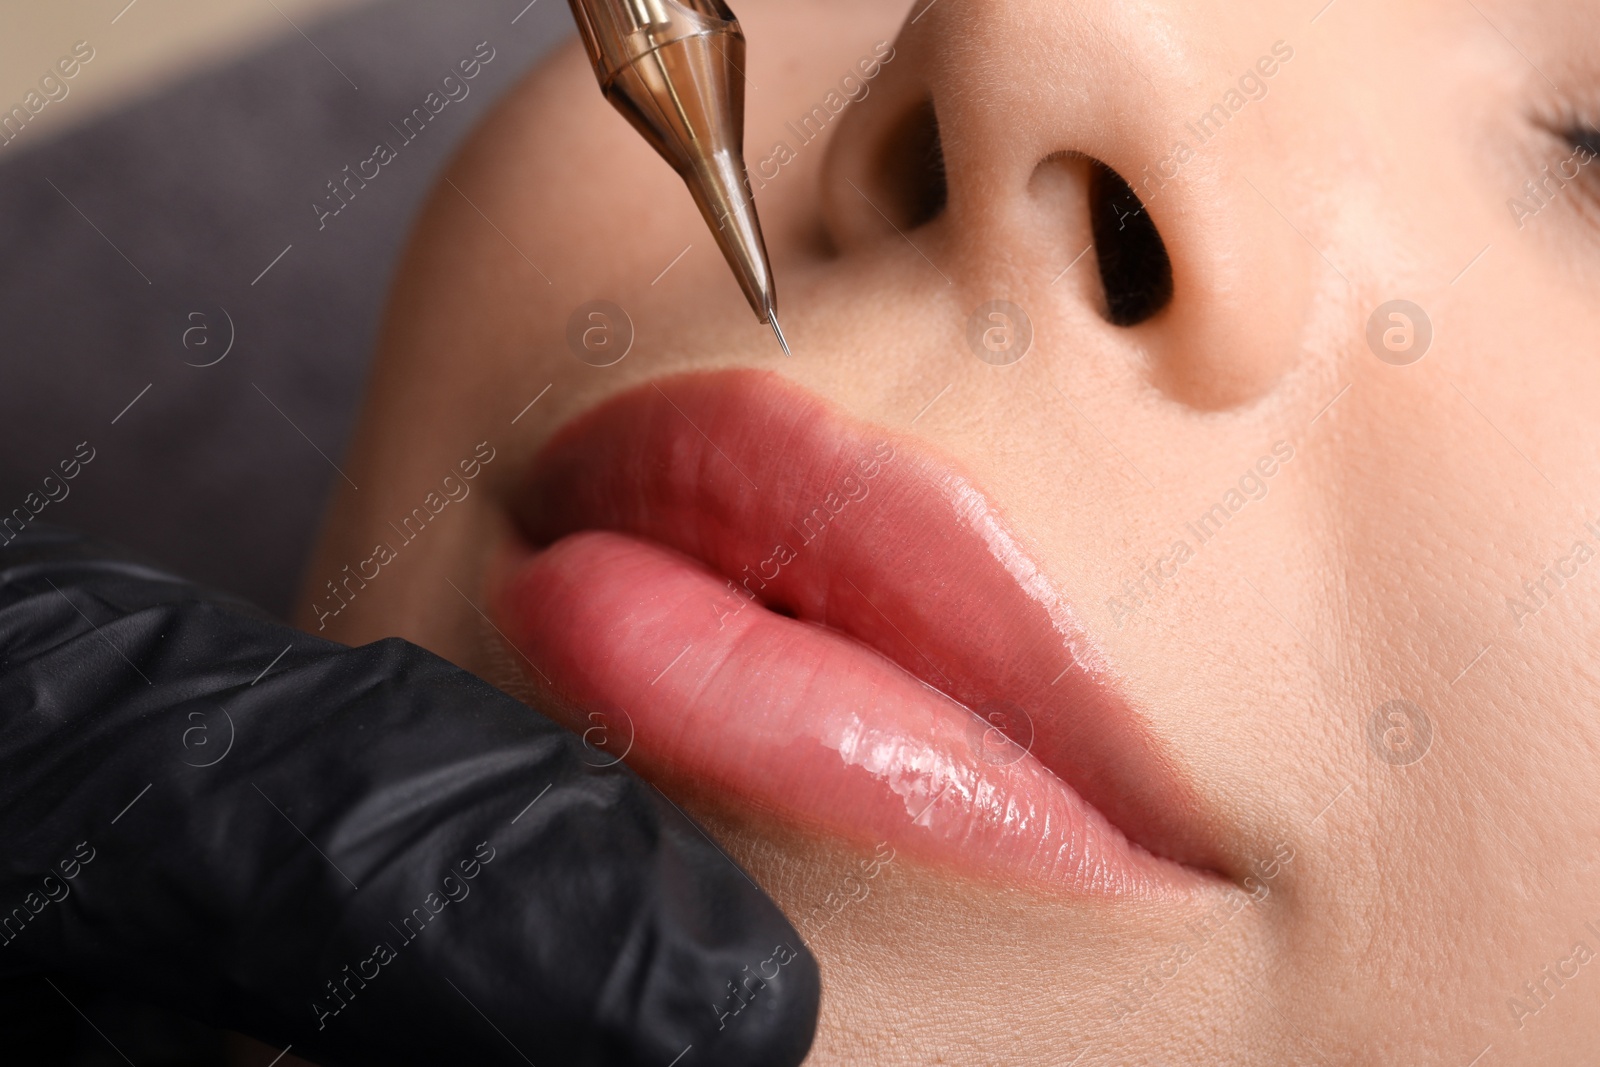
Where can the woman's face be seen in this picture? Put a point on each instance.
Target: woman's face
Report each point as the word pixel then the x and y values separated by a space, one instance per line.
pixel 1315 782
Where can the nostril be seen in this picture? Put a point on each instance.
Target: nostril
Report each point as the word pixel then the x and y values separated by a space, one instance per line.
pixel 1134 268
pixel 910 167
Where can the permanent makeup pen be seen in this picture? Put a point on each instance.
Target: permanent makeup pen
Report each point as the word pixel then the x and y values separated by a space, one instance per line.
pixel 675 69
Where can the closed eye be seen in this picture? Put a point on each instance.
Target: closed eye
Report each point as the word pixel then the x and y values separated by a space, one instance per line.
pixel 1584 136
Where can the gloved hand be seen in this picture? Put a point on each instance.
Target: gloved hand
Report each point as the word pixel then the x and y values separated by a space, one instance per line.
pixel 367 853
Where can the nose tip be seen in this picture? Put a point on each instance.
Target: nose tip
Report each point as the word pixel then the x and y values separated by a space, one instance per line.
pixel 1002 140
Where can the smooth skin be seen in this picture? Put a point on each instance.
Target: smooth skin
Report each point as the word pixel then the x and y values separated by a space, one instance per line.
pixel 1386 560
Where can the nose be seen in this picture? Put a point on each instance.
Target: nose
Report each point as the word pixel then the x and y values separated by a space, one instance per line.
pixel 1108 164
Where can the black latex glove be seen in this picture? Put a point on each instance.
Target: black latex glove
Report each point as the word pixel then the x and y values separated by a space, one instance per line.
pixel 235 819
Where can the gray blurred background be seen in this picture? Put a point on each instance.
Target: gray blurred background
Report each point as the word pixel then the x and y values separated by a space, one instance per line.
pixel 158 215
pixel 148 203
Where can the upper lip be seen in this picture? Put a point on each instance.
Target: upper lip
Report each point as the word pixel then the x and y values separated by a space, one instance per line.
pixel 931 576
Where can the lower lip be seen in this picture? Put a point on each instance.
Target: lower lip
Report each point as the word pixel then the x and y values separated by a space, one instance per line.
pixel 703 689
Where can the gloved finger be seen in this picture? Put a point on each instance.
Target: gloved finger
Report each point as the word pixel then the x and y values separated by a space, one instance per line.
pixel 366 853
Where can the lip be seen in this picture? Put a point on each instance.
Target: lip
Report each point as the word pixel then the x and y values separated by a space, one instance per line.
pixel 793 612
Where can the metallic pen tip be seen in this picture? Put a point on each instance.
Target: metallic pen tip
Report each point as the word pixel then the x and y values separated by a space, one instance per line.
pixel 772 320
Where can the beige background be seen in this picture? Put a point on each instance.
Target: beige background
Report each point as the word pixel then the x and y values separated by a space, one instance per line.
pixel 138 47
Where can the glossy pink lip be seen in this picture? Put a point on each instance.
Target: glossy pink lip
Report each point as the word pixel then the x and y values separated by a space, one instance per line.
pixel 808 616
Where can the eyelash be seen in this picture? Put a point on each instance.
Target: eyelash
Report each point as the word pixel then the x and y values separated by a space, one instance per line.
pixel 1579 136
pixel 1583 135
pixel 1573 121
